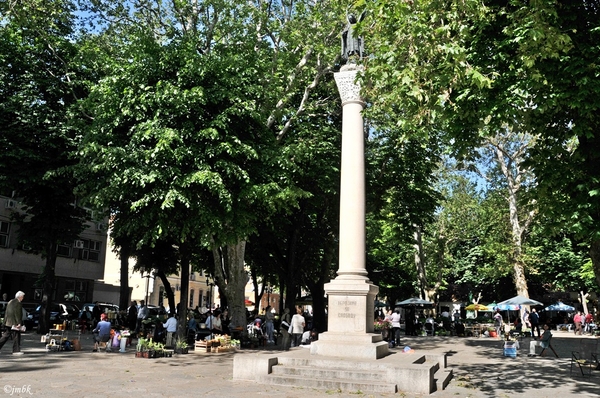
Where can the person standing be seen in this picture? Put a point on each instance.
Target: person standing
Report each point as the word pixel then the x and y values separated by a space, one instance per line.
pixel 577 322
pixel 456 316
pixel 171 327
pixel 142 314
pixel 534 320
pixel 589 319
pixel 284 329
pixel 96 313
pixel 298 324
pixel 498 323
pixel 13 322
pixel 395 321
pixel 132 315
pixel 269 328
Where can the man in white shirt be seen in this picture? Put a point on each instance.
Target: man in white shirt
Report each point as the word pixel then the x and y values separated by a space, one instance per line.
pixel 171 327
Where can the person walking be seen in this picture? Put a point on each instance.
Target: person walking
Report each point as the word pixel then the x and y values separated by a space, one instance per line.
pixel 12 325
pixel 298 324
pixel 534 320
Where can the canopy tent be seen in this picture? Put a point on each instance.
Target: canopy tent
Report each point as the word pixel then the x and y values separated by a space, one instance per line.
pixel 380 304
pixel 414 302
pixel 519 300
pixel 560 307
pixel 507 307
pixel 477 307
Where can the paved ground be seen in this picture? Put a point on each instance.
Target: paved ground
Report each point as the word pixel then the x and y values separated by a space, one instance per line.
pixel 480 370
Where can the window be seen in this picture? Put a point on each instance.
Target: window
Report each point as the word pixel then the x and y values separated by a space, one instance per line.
pixel 4 230
pixel 191 298
pixel 90 251
pixel 75 290
pixel 63 250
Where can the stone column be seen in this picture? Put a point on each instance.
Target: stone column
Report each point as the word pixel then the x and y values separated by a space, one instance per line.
pixel 351 295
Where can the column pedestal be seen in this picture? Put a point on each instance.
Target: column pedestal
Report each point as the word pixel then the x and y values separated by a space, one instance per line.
pixel 350 322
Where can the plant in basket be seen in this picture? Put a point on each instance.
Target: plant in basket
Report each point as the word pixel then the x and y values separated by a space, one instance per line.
pixel 181 346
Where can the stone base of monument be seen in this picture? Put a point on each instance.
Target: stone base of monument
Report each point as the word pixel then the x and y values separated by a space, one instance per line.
pixel 398 372
pixel 363 345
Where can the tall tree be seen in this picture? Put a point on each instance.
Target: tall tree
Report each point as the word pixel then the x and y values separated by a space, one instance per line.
pixel 38 142
pixel 211 87
pixel 468 68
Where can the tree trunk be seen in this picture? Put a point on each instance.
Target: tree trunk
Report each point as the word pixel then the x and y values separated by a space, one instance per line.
pixel 595 256
pixel 48 287
pixel 124 298
pixel 230 273
pixel 182 306
pixel 514 175
pixel 168 289
pixel 420 263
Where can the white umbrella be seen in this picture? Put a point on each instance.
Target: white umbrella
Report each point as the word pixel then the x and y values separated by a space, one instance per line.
pixel 519 300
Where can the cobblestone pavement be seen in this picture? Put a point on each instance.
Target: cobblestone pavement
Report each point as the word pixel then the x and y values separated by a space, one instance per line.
pixel 480 370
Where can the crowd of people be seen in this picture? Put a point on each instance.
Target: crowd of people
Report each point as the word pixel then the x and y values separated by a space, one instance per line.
pixel 416 323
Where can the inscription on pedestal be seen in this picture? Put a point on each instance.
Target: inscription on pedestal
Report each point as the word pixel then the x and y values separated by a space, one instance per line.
pixel 348 305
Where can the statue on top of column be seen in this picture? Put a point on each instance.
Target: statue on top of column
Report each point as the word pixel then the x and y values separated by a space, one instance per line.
pixel 352 46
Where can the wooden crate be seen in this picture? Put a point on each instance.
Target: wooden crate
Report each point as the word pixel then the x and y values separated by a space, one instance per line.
pixel 201 346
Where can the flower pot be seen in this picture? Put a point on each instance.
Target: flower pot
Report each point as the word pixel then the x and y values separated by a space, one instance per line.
pixel 493 334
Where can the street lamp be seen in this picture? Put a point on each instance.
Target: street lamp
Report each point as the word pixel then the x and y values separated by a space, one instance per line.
pixel 211 284
pixel 149 275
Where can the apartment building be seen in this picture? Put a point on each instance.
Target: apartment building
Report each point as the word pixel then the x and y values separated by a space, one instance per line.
pixel 78 265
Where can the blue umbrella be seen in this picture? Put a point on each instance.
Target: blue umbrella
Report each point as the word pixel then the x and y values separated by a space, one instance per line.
pixel 508 307
pixel 559 307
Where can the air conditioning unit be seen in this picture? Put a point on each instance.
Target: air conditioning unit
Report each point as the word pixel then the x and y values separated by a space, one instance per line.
pixel 78 244
pixel 10 204
pixel 100 226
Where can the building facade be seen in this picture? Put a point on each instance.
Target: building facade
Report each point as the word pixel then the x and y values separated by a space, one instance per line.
pixel 78 263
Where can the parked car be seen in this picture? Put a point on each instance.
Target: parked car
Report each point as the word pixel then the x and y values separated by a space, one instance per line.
pixel 59 313
pixel 155 311
pixel 104 307
pixel 28 308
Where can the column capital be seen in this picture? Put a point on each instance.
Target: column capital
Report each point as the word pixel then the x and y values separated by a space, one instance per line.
pixel 348 88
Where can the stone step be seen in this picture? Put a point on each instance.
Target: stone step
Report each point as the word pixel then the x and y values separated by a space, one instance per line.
pixel 330 384
pixel 327 373
pixel 442 378
pixel 329 363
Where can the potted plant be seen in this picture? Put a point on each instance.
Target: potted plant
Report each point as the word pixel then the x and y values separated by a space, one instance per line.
pixel 141 349
pixel 181 346
pixel 157 350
